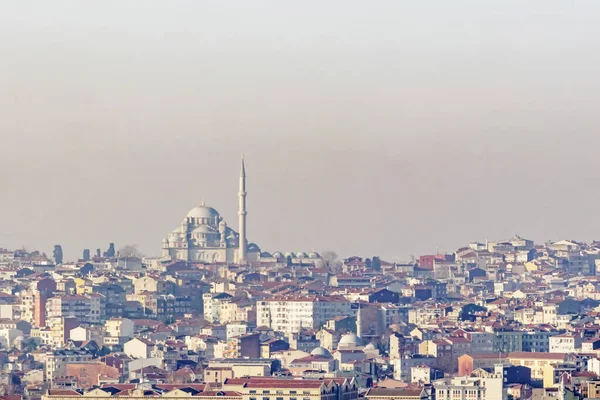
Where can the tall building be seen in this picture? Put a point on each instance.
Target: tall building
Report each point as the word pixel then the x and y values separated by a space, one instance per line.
pixel 293 314
pixel 204 236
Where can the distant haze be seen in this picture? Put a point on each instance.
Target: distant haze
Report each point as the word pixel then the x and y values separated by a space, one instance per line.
pixel 374 128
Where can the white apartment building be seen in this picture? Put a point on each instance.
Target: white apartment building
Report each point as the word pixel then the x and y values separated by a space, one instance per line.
pixel 425 315
pixel 212 305
pixel 565 343
pixel 27 298
pixel 119 328
pixel 86 308
pixel 292 314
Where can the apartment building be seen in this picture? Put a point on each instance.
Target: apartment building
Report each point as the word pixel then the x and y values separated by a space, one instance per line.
pixel 535 361
pixel 88 374
pixel 243 346
pixel 425 315
pixel 488 386
pixel 286 389
pixel 118 330
pixel 396 394
pixel 149 284
pixel 212 305
pixel 565 343
pixel 56 362
pixel 85 308
pixel 292 314
pixel 538 340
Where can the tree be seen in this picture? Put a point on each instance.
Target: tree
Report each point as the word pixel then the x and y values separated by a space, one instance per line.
pixel 24 272
pixel 98 253
pixel 330 259
pixel 130 250
pixel 376 264
pixel 58 254
pixel 469 311
pixel 86 255
pixel 368 263
pixel 86 269
pixel 111 250
pixel 104 351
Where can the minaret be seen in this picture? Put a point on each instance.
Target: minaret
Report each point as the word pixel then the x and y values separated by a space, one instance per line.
pixel 242 215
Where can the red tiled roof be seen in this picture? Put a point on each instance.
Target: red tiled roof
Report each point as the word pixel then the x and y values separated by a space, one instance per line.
pixel 219 393
pixel 63 392
pixel 548 356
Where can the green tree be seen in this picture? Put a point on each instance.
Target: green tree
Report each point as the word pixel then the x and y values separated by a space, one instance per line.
pixel 111 250
pixel 331 261
pixel 58 254
pixel 130 250
pixel 376 264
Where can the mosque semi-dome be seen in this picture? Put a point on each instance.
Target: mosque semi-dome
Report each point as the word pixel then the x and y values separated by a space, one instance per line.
pixel 204 229
pixel 370 346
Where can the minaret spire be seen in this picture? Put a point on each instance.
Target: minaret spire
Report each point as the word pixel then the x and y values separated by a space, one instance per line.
pixel 242 215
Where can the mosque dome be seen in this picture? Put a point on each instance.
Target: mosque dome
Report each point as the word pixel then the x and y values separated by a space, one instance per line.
pixel 203 211
pixel 301 255
pixel 277 255
pixel 288 254
pixel 349 339
pixel 253 248
pixel 321 351
pixel 370 346
pixel 265 254
pixel 314 255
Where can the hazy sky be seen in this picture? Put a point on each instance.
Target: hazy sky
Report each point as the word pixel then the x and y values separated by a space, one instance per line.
pixel 369 127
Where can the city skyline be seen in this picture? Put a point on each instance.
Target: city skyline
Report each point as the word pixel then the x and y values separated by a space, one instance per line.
pixel 267 200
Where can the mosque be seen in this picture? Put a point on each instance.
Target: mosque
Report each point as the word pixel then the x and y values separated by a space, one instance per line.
pixel 205 237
